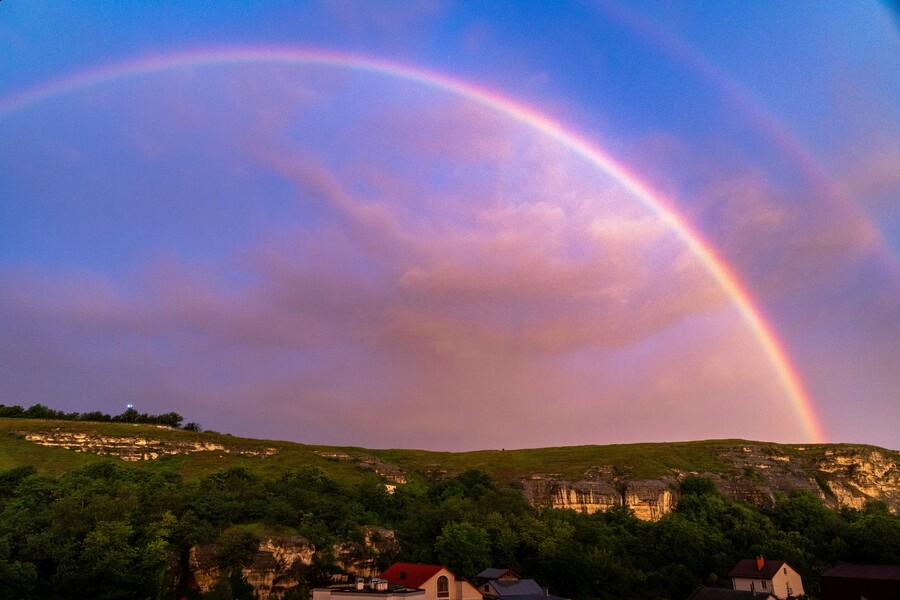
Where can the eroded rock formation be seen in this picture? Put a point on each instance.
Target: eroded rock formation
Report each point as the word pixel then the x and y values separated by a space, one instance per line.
pixel 133 448
pixel 277 566
pixel 379 547
pixel 754 473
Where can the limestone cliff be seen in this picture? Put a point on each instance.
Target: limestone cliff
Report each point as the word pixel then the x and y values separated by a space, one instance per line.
pixel 281 562
pixel 133 448
pixel 753 473
pixel 278 565
pixel 378 548
pixel 649 499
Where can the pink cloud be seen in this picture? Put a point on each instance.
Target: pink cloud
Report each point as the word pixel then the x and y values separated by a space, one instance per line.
pixel 447 264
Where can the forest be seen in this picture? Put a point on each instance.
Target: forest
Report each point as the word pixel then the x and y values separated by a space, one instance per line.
pixel 107 531
pixel 129 415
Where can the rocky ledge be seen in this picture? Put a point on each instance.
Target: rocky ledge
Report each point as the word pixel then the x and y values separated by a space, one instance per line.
pixel 133 448
pixel 754 473
pixel 279 564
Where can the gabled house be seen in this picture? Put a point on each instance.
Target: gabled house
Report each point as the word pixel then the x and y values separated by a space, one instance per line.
pixel 505 584
pixel 437 581
pixel 774 577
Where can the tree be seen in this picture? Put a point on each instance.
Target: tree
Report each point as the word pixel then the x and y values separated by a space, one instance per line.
pixel 463 548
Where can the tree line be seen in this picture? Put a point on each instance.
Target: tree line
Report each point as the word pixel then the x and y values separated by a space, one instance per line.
pixel 109 531
pixel 130 415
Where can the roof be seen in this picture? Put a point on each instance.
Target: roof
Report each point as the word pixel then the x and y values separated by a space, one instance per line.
pixel 410 574
pixel 517 587
pixel 494 573
pixel 890 572
pixel 747 568
pixel 392 590
pixel 543 597
pixel 708 593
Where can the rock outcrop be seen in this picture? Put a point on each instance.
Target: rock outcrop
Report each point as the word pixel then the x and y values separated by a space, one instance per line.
pixel 650 500
pixel 278 565
pixel 583 496
pixel 133 448
pixel 379 546
pixel 392 473
pixel 756 474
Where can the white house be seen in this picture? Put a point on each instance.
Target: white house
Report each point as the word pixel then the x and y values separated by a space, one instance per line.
pixel 774 577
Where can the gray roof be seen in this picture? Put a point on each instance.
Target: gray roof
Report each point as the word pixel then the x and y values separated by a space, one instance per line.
pixel 494 573
pixel 541 596
pixel 708 593
pixel 517 587
pixel 890 572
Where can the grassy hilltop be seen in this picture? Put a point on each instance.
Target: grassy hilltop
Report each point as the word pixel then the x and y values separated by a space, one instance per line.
pixel 348 464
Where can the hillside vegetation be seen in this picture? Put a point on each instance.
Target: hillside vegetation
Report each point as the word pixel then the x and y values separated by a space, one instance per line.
pixel 638 461
pixel 76 524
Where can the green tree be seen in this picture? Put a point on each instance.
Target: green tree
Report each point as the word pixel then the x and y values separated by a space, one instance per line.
pixel 463 548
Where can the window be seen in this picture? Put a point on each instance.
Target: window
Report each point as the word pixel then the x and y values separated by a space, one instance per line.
pixel 402 575
pixel 764 584
pixel 487 588
pixel 785 570
pixel 443 587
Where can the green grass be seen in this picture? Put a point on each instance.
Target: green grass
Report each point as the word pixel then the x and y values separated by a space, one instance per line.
pixel 635 461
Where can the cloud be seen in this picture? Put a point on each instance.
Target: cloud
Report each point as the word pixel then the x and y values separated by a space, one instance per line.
pixel 449 267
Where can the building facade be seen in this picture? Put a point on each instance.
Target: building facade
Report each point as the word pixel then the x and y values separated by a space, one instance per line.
pixel 774 577
pixel 438 582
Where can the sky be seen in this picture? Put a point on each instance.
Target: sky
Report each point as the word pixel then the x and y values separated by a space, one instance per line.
pixel 456 225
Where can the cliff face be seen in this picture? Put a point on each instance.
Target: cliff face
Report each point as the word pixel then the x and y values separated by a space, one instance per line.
pixel 649 499
pixel 853 478
pixel 277 566
pixel 756 474
pixel 134 448
pixel 380 546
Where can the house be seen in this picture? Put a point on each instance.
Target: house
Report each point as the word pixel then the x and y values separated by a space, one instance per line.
pixel 375 589
pixel 437 581
pixel 505 584
pixel 873 582
pixel 708 593
pixel 775 577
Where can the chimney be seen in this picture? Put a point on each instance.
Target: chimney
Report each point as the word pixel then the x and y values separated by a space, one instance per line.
pixel 760 563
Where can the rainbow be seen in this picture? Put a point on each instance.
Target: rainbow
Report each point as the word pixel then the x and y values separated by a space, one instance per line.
pixel 740 98
pixel 571 140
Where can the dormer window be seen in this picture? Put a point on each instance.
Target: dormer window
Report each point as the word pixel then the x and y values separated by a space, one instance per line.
pixel 402 575
pixel 443 587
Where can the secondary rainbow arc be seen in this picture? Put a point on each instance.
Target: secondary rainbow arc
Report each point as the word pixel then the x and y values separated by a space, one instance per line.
pixel 716 267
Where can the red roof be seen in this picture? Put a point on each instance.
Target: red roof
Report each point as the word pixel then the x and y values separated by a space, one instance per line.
pixel 749 569
pixel 410 574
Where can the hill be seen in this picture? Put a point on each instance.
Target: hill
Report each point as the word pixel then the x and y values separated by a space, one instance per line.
pixel 122 510
pixel 587 478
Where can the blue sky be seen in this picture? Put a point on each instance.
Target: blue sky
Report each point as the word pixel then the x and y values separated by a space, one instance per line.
pixel 331 254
